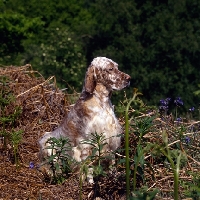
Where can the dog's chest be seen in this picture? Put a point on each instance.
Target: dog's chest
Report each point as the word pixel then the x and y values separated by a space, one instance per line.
pixel 103 120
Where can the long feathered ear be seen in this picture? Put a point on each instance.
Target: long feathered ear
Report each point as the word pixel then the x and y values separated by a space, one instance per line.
pixel 90 79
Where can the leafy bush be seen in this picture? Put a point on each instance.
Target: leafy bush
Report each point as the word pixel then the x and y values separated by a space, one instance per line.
pixel 60 54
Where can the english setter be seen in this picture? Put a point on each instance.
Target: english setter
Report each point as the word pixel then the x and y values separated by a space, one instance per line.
pixel 93 112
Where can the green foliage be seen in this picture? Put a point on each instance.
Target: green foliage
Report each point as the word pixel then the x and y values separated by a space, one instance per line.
pixel 93 165
pixel 59 160
pixel 143 194
pixel 97 143
pixel 198 91
pixel 155 42
pixel 176 155
pixel 175 158
pixel 16 137
pixel 47 39
pixel 8 119
pixel 60 55
pixel 141 128
pixel 6 97
pixel 192 189
pixel 15 28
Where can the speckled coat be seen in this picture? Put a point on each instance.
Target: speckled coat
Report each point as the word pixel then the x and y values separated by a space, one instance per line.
pixel 93 112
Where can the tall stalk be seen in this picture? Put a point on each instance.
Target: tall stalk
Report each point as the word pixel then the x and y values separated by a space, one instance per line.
pixel 174 167
pixel 127 146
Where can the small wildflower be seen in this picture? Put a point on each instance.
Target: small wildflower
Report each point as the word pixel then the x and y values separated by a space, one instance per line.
pixel 168 99
pixel 187 140
pixel 191 109
pixel 178 101
pixel 31 165
pixel 179 119
pixel 164 103
pixel 163 107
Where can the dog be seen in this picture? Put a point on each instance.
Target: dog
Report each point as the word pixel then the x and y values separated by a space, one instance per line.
pixel 93 111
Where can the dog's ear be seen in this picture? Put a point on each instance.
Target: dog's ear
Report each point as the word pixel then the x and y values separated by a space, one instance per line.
pixel 90 79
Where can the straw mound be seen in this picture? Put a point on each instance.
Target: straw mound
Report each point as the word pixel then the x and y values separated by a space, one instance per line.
pixel 43 107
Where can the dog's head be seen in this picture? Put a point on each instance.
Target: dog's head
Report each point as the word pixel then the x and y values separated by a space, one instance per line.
pixel 105 71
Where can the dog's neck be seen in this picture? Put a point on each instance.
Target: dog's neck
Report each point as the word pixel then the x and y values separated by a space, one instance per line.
pixel 102 93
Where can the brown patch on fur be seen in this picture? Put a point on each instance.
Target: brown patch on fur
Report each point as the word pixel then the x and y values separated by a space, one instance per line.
pixel 90 80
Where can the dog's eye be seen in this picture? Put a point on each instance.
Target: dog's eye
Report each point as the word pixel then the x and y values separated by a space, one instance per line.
pixel 110 69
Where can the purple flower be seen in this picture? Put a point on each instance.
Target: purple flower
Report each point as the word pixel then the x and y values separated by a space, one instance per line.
pixel 164 104
pixel 168 99
pixel 178 101
pixel 191 109
pixel 163 107
pixel 187 140
pixel 179 119
pixel 31 165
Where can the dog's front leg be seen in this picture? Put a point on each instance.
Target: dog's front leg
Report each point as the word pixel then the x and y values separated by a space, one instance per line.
pixel 81 153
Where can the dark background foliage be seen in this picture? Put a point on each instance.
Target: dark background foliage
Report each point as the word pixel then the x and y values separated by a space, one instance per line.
pixel 157 43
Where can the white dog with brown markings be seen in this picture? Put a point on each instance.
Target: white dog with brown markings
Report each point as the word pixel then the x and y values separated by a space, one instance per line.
pixel 93 112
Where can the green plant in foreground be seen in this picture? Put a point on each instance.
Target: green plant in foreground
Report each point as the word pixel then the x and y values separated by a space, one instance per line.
pixel 192 188
pixel 142 127
pixel 174 157
pixel 6 98
pixel 97 143
pixel 16 137
pixel 9 120
pixel 143 194
pixel 59 160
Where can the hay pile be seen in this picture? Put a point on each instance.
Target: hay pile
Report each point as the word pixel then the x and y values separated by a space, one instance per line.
pixel 43 106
